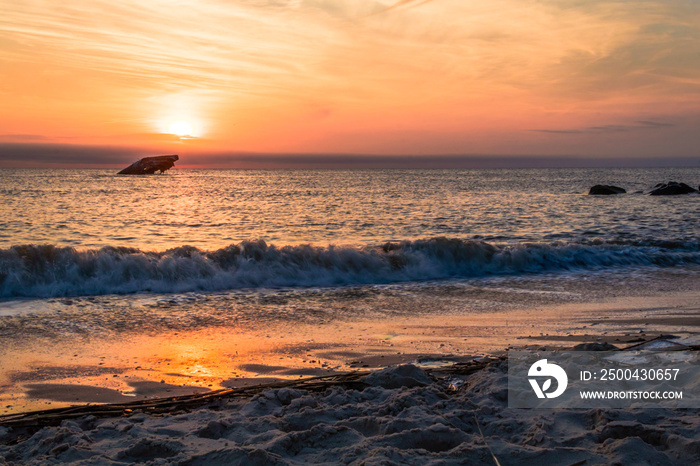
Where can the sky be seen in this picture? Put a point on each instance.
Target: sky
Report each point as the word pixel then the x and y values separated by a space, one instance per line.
pixel 267 82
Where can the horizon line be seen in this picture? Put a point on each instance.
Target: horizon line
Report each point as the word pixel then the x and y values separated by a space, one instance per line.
pixel 23 155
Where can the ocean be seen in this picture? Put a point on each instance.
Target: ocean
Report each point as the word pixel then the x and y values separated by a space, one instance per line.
pixel 70 233
pixel 88 257
pixel 77 233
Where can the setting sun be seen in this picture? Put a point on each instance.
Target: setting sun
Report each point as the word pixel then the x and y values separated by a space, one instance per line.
pixel 181 128
pixel 347 231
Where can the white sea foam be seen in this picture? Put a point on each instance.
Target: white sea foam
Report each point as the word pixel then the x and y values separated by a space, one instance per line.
pixel 50 271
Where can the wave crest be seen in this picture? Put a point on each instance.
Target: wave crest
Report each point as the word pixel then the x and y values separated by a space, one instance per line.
pixel 50 271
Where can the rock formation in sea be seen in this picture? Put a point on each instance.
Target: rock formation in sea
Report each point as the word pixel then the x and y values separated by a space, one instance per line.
pixel 671 188
pixel 150 165
pixel 604 189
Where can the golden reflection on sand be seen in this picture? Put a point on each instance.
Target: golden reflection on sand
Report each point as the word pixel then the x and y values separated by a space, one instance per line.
pixel 47 375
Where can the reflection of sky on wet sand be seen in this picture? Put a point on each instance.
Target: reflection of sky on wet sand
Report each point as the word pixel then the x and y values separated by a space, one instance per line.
pixel 169 364
pixel 218 357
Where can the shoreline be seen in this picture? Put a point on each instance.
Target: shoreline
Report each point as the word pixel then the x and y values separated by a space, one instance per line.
pixel 410 408
pixel 182 363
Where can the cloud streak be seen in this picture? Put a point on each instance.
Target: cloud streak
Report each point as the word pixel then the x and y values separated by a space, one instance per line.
pixel 606 129
pixel 401 4
pixel 106 157
pixel 347 76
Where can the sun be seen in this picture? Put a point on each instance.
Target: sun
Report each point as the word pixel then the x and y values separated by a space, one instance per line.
pixel 181 128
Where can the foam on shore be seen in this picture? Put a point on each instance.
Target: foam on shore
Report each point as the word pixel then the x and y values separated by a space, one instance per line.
pixel 41 271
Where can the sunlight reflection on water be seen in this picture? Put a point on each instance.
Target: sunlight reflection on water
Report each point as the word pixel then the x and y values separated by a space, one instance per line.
pixel 213 208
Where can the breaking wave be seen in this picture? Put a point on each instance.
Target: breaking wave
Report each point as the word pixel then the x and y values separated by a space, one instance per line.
pixel 51 271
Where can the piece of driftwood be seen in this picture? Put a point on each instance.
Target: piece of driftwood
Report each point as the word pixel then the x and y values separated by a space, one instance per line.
pixel 150 165
pixel 163 405
pixel 352 380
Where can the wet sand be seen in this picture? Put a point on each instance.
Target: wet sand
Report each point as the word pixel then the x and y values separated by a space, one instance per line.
pixel 39 376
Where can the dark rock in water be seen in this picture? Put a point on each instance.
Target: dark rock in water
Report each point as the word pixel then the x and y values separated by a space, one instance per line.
pixel 604 189
pixel 671 188
pixel 150 165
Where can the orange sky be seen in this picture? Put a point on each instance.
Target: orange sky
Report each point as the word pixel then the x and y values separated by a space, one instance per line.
pixel 352 76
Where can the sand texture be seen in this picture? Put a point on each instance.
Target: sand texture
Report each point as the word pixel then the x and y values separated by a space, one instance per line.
pixel 402 416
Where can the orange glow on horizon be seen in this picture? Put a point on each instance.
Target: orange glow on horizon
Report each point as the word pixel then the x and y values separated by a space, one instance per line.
pixel 448 77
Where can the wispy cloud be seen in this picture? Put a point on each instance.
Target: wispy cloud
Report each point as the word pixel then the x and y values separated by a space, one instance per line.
pixel 300 75
pixel 655 124
pixel 22 138
pixel 242 48
pixel 401 4
pixel 601 129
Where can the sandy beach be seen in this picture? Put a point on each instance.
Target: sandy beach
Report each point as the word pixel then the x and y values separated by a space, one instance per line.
pixel 402 415
pixel 42 373
pixel 371 233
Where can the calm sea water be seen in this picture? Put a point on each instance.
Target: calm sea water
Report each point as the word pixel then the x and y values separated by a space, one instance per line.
pixel 211 209
pixel 89 252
